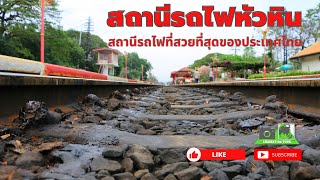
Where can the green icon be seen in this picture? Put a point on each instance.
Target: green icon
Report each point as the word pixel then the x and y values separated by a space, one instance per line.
pixel 284 134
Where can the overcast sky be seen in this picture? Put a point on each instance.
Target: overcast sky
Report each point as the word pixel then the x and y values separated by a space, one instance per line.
pixel 167 59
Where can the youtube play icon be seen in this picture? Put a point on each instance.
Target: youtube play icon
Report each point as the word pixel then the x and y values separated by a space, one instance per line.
pixel 263 154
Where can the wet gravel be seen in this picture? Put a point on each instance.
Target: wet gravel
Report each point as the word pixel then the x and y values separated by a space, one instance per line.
pixel 148 111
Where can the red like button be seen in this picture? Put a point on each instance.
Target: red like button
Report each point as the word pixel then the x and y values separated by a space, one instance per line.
pixel 223 154
pixel 278 154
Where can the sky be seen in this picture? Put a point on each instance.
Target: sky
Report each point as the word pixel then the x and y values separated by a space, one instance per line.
pixel 166 59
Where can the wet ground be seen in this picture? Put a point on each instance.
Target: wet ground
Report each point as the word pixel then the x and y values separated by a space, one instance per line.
pixel 145 133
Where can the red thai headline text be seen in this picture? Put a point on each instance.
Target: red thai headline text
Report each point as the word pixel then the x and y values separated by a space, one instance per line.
pixel 163 17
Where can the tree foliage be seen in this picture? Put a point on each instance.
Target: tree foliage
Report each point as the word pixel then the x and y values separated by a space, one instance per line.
pixel 14 12
pixel 20 37
pixel 249 53
pixel 134 66
pixel 230 62
pixel 309 33
pixel 152 78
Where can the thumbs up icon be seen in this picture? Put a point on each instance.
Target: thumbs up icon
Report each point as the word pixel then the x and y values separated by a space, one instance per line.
pixel 193 154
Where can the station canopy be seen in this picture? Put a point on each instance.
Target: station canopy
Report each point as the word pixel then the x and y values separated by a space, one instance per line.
pixel 235 66
pixel 184 72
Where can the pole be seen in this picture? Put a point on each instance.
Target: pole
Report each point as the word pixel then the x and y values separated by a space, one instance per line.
pixel 80 38
pixel 264 67
pixel 42 32
pixel 142 72
pixel 217 73
pixel 126 64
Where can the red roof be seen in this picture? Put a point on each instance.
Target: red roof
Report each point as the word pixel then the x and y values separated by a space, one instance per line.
pixel 173 73
pixel 105 49
pixel 311 50
pixel 184 72
pixel 185 69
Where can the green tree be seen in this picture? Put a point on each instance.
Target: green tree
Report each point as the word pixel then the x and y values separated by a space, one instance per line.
pixel 313 17
pixel 152 78
pixel 309 33
pixel 23 12
pixel 134 66
pixel 95 42
pixel 22 41
pixel 62 49
pixel 248 53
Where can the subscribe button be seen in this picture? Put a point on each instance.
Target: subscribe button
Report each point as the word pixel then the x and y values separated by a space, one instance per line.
pixel 278 154
pixel 195 154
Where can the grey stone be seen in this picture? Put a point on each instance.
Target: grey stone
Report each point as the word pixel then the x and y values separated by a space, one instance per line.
pixel 153 150
pixel 124 176
pixel 146 132
pixel 130 127
pixel 198 164
pixel 104 114
pixel 301 170
pixel 92 99
pixel 149 124
pixel 217 174
pixel 114 151
pixel 29 159
pixel 91 119
pixel 232 171
pixel 52 175
pixel 171 168
pixel 278 106
pixel 143 104
pixel 255 175
pixel 113 123
pixel 275 178
pixel 303 147
pixel 52 118
pixel 170 177
pixel 275 116
pixel 282 171
pixel 258 164
pixel 149 176
pixel 108 178
pixel 98 164
pixel 89 176
pixel 117 95
pixel 26 174
pixel 127 164
pixel 312 156
pixel 210 165
pixel 138 174
pixel 6 170
pixel 171 156
pixel 2 150
pixel 188 174
pixel 102 173
pixel 239 97
pixel 271 98
pixel 221 132
pixel 110 140
pixel 113 104
pixel 236 162
pixel 223 94
pixel 142 157
pixel 251 123
pixel 241 177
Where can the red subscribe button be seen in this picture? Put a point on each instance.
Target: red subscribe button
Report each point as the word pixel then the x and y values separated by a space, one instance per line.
pixel 278 154
pixel 195 154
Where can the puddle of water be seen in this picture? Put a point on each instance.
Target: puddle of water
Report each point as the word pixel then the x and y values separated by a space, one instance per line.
pixel 76 159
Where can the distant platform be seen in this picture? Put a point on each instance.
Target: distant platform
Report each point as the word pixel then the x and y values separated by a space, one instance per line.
pixel 298 82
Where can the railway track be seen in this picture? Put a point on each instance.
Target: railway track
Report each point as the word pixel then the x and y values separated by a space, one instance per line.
pixel 144 133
